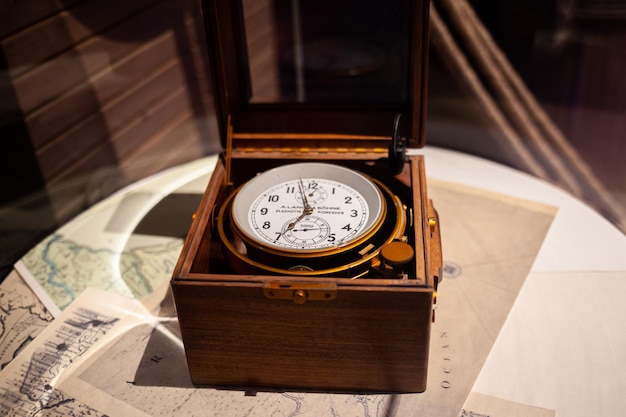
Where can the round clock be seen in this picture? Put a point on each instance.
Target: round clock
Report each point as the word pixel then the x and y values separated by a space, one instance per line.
pixel 309 219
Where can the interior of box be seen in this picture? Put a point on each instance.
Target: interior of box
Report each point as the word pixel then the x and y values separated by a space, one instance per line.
pixel 209 258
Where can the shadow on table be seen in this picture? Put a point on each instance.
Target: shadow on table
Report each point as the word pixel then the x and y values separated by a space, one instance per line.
pixel 163 363
pixel 171 216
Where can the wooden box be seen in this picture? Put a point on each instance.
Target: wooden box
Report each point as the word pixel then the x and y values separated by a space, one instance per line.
pixel 343 83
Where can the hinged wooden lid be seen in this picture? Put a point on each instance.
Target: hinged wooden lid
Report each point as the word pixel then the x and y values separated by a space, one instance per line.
pixel 322 70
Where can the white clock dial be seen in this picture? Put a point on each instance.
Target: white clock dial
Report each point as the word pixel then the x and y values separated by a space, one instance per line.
pixel 278 216
pixel 307 207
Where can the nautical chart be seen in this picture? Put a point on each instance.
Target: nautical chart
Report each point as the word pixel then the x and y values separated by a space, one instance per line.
pixel 22 317
pixel 28 383
pixel 127 244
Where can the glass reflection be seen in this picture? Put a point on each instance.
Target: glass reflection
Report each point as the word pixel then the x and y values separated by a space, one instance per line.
pixel 327 51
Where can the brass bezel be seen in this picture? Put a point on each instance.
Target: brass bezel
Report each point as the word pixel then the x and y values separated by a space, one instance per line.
pixel 397 232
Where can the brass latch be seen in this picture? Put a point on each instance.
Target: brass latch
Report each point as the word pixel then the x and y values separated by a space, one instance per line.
pixel 300 292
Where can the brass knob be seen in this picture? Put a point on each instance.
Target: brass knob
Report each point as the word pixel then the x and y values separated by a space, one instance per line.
pixel 299 296
pixel 396 253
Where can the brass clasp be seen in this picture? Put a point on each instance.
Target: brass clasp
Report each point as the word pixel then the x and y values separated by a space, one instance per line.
pixel 300 292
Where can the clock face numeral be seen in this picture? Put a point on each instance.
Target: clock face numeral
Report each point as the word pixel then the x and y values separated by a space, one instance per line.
pixel 317 213
pixel 313 193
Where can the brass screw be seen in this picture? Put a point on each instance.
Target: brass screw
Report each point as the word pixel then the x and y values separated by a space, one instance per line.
pixel 299 296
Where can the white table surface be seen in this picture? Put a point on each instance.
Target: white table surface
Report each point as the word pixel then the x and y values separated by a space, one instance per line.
pixel 563 344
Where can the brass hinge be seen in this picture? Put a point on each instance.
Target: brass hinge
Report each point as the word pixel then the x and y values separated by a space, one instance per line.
pixel 308 144
pixel 308 150
pixel 300 292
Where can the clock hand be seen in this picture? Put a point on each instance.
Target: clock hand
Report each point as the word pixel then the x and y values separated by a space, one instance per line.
pixel 291 225
pixel 306 229
pixel 307 208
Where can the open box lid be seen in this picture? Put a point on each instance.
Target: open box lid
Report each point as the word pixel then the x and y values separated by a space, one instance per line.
pixel 326 69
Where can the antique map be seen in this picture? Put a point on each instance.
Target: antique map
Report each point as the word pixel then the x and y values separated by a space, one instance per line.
pixel 64 268
pixel 28 383
pixel 127 244
pixel 22 317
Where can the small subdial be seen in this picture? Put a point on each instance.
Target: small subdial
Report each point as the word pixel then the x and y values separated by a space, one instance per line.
pixel 315 194
pixel 311 231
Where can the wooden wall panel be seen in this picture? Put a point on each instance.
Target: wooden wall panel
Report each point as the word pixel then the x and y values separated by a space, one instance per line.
pixel 104 84
pixel 159 153
pixel 107 86
pixel 126 142
pixel 71 193
pixel 53 78
pixel 39 42
pixel 137 101
pixel 21 14
pixel 115 80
